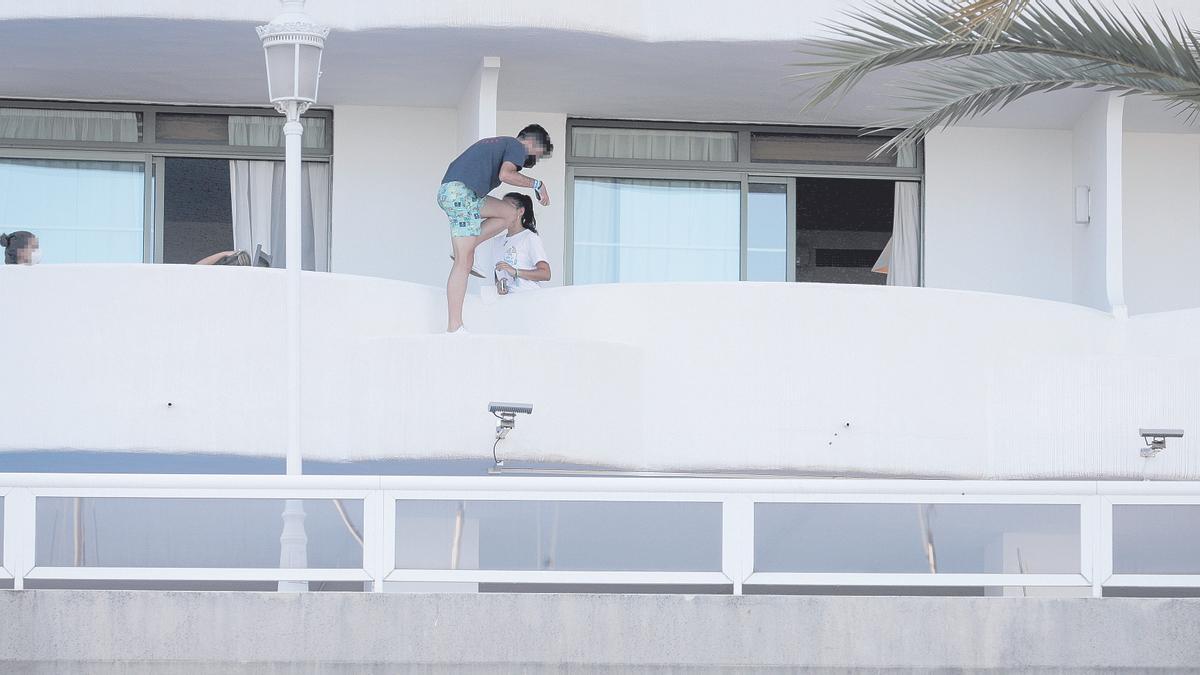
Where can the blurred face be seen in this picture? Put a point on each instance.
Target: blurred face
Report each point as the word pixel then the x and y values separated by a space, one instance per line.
pixel 31 254
pixel 520 209
pixel 536 151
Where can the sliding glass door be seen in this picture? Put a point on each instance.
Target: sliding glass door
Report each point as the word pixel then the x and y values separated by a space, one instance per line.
pixel 770 208
pixel 83 211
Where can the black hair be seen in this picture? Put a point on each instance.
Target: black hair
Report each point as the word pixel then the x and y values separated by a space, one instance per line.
pixel 539 135
pixel 13 243
pixel 524 202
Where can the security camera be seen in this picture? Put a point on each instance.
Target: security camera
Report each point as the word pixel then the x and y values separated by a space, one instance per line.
pixel 1156 439
pixel 511 408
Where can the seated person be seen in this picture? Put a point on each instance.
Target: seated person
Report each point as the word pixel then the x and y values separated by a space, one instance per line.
pixel 521 264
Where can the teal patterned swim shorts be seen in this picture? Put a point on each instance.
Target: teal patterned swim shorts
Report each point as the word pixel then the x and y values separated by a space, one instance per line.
pixel 461 204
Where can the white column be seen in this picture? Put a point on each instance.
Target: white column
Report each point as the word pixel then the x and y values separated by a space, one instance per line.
pixel 477 109
pixel 293 543
pixel 1098 250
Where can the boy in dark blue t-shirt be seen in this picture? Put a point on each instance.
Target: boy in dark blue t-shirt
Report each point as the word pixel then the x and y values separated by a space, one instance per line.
pixel 474 216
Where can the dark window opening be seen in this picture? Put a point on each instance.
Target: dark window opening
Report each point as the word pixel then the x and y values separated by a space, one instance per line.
pixel 842 226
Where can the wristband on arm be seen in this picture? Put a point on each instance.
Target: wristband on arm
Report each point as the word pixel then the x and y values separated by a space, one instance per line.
pixel 537 185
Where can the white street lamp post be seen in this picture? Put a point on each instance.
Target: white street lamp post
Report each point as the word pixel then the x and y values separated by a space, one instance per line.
pixel 293 44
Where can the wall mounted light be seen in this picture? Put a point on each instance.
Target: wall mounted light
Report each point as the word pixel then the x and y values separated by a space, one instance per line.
pixel 1083 204
pixel 507 414
pixel 1156 440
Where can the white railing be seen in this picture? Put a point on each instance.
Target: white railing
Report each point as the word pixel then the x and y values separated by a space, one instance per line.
pixel 738 499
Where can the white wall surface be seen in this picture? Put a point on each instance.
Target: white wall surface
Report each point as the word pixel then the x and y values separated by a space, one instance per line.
pixel 813 378
pixel 1162 221
pixel 998 211
pixel 388 163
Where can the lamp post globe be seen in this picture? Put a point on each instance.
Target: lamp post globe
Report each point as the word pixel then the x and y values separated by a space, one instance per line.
pixel 293 44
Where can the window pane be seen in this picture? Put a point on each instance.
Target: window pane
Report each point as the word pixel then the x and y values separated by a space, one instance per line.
pixel 1156 539
pixel 81 211
pixel 824 149
pixel 148 532
pixel 660 144
pixel 656 230
pixel 265 131
pixel 197 217
pixel 917 538
pixel 766 232
pixel 95 126
pixel 566 535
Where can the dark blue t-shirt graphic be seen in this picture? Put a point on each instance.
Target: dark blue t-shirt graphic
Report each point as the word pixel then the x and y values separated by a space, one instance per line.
pixel 478 167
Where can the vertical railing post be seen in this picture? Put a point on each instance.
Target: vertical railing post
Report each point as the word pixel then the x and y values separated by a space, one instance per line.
pixel 1102 558
pixel 737 540
pixel 20 534
pixel 373 537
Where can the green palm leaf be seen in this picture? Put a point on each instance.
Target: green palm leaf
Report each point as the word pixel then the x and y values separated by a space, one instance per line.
pixel 951 92
pixel 984 54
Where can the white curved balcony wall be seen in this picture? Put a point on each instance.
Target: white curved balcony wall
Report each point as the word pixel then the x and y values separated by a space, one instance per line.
pixel 661 20
pixel 712 377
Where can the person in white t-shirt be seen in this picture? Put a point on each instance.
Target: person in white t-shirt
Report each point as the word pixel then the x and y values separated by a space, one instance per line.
pixel 521 263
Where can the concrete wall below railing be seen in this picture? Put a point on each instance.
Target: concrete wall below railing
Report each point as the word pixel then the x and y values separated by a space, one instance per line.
pixel 807 378
pixel 101 632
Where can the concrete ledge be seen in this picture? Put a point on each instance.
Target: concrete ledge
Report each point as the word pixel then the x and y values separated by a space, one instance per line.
pixel 176 632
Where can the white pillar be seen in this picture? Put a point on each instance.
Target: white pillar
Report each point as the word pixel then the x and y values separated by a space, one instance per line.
pixel 1098 265
pixel 293 542
pixel 477 109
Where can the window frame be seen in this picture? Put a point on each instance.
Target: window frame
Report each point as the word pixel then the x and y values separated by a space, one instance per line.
pixel 742 170
pixel 151 153
pixel 149 144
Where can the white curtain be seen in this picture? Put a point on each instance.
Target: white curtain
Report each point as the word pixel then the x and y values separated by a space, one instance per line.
pixel 98 126
pixel 661 144
pixel 316 184
pixel 266 131
pixel 258 200
pixel 901 257
pixel 905 246
pixel 656 230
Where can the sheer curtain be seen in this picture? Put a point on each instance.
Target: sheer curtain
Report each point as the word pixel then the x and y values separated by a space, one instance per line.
pixel 258 200
pixel 662 144
pixel 656 230
pixel 901 257
pixel 267 131
pixel 98 126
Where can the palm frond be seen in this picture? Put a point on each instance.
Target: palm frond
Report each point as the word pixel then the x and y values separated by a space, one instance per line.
pixel 954 91
pixel 987 18
pixel 915 31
